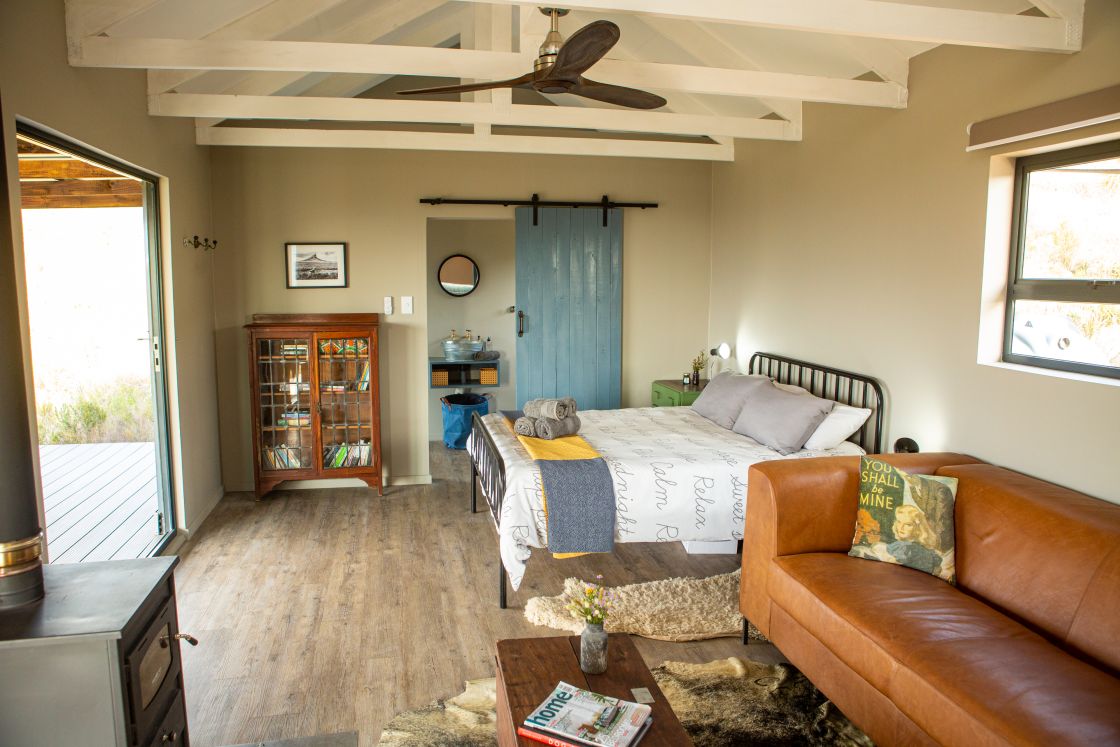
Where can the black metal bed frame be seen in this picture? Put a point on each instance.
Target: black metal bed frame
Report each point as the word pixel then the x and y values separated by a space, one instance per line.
pixel 489 471
pixel 841 386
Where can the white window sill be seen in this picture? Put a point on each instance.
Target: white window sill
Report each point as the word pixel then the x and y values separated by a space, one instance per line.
pixel 1039 371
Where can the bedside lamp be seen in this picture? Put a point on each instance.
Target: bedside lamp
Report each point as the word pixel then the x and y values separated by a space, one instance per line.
pixel 721 351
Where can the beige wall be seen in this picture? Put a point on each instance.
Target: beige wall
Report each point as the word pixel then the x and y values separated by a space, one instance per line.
pixel 492 244
pixel 862 247
pixel 266 196
pixel 106 110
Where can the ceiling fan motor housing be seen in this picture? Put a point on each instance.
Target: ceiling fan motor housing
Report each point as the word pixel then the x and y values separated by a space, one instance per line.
pixel 546 57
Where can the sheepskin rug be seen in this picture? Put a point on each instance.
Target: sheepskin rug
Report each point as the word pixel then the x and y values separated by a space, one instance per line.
pixel 467 720
pixel 674 609
pixel 726 703
pixel 733 702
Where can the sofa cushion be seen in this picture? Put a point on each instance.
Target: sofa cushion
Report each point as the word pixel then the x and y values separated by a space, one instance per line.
pixel 905 519
pixel 954 665
pixel 1045 555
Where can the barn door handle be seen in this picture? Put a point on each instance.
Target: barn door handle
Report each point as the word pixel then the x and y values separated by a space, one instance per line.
pixel 520 323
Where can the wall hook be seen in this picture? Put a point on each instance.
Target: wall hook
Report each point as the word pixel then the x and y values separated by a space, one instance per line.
pixel 204 243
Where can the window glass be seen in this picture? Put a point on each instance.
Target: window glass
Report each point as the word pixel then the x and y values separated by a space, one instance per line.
pixel 1079 332
pixel 1073 222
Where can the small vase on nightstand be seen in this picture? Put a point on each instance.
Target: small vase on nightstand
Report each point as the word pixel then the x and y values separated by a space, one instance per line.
pixel 696 378
pixel 593 649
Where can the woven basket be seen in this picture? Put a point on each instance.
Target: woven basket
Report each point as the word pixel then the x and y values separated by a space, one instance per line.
pixel 488 376
pixel 439 378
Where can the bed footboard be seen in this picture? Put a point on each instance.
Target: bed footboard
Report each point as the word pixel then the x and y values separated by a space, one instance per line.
pixel 488 471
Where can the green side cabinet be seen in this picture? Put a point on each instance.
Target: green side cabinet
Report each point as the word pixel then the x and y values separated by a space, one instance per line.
pixel 672 393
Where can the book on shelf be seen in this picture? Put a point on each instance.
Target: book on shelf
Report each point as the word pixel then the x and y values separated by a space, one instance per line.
pixel 295 418
pixel 347 455
pixel 294 350
pixel 573 716
pixel 282 457
pixel 363 380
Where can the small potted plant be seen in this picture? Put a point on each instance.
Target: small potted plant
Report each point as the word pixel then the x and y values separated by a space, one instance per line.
pixel 592 604
pixel 698 364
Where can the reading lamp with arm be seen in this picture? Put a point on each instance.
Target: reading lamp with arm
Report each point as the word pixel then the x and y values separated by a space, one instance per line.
pixel 721 352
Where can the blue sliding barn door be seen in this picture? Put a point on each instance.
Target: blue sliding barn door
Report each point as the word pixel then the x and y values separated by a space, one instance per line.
pixel 569 304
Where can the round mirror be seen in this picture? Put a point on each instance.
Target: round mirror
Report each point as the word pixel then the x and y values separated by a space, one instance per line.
pixel 458 275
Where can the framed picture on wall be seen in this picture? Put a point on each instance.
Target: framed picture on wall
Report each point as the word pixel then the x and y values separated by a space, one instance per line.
pixel 317 265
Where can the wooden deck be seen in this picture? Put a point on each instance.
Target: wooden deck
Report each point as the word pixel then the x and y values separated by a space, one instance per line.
pixel 100 500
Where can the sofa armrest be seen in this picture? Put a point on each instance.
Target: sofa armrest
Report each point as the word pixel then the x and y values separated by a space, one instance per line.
pixel 798 506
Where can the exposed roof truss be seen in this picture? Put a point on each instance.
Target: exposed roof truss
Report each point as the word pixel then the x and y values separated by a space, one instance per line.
pixel 322 73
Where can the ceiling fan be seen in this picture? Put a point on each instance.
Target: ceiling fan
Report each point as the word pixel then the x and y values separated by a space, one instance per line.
pixel 560 65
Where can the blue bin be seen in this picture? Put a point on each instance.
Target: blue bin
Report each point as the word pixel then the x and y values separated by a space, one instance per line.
pixel 458 409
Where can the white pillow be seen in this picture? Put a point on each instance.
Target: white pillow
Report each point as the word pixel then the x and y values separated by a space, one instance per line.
pixel 841 423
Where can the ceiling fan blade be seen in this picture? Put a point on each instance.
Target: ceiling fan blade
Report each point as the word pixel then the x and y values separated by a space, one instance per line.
pixel 583 49
pixel 621 95
pixel 526 78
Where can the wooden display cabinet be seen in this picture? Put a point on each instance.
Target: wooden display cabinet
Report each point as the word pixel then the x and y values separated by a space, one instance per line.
pixel 315 403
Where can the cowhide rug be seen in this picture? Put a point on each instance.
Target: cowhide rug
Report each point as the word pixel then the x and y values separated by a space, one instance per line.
pixel 674 609
pixel 726 703
pixel 735 702
pixel 467 720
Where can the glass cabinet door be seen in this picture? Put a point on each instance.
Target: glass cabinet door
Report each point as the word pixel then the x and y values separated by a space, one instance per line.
pixel 345 402
pixel 284 378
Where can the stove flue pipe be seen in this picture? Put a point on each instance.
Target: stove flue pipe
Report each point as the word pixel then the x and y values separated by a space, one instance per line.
pixel 21 537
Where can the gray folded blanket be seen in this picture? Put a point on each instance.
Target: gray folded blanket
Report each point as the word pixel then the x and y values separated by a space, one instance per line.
pixel 550 428
pixel 487 355
pixel 558 409
pixel 524 426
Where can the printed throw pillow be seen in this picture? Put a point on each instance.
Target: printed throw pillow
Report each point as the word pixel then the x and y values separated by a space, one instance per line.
pixel 905 519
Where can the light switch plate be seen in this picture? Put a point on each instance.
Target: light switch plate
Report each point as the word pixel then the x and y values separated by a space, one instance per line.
pixel 406 304
pixel 388 305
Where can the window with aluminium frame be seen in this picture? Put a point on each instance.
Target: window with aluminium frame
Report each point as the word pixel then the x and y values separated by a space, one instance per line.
pixel 1063 291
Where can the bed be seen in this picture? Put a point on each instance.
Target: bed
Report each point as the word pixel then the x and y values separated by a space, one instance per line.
pixel 677 476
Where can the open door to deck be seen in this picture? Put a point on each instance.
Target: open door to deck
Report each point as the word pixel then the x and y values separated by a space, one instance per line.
pixel 90 241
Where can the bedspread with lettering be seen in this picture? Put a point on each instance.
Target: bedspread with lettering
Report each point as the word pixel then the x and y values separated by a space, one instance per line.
pixel 677 477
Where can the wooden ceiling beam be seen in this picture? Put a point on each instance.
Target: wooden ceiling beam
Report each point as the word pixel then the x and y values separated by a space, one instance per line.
pixel 453 112
pixel 76 193
pixel 470 142
pixel 870 18
pixel 470 63
pixel 55 168
pixel 331 23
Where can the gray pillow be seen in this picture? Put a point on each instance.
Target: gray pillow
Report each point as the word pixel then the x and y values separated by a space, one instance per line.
pixel 723 397
pixel 781 420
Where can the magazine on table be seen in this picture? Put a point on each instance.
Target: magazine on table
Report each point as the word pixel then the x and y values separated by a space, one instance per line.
pixel 586 718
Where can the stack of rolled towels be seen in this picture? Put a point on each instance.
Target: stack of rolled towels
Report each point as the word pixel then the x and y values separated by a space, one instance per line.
pixel 548 419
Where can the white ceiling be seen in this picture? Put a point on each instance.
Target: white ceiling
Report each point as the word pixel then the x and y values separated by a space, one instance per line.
pixel 324 72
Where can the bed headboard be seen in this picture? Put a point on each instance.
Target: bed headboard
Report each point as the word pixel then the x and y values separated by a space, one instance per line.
pixel 845 387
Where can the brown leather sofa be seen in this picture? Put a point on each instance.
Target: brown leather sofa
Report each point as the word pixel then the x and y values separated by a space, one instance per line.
pixel 1024 650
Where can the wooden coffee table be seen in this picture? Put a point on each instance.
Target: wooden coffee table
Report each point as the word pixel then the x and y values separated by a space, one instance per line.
pixel 530 668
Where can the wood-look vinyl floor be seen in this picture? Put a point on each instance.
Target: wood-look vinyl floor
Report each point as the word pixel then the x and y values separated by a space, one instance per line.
pixel 324 611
